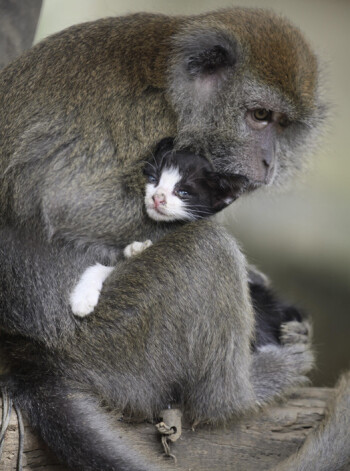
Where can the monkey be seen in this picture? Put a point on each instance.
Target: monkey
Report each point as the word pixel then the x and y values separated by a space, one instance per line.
pixel 83 108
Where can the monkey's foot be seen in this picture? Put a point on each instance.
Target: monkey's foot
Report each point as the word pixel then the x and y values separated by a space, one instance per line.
pixel 296 333
pixel 136 247
pixel 277 369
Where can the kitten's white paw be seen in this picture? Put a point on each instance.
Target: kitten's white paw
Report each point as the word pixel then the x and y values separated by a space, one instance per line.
pixel 136 247
pixel 83 303
pixel 86 293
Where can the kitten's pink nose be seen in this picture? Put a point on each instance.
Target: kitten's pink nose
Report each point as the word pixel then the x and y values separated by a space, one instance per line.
pixel 159 199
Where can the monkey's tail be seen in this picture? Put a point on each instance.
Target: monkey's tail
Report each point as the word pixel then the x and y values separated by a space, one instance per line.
pixel 328 447
pixel 77 428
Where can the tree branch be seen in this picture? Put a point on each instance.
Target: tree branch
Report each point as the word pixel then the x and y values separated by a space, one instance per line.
pixel 259 442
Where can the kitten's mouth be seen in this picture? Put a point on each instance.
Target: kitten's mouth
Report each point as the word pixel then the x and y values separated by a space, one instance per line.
pixel 158 215
pixel 158 209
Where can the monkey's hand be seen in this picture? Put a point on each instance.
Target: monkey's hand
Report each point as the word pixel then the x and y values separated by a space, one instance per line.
pixel 296 332
pixel 276 369
pixel 136 247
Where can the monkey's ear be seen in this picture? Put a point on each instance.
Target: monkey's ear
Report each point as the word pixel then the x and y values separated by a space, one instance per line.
pixel 204 59
pixel 211 61
pixel 225 188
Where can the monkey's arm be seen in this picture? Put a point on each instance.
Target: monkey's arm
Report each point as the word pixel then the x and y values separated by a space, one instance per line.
pixel 35 281
pixel 85 294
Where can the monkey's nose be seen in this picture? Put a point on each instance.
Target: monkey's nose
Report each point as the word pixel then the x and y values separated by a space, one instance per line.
pixel 159 199
pixel 267 158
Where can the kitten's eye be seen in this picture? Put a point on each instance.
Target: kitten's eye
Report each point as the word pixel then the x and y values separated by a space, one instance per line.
pixel 181 193
pixel 151 179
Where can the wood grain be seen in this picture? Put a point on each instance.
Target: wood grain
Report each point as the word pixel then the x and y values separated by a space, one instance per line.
pixel 255 443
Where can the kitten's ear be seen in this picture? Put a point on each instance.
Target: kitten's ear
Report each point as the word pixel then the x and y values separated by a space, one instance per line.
pixel 165 145
pixel 225 188
pixel 148 169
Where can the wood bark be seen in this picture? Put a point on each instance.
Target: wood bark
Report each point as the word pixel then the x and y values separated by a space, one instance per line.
pixel 18 20
pixel 255 443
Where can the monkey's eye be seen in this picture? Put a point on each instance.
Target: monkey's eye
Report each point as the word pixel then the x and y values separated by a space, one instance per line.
pixel 181 193
pixel 151 179
pixel 261 114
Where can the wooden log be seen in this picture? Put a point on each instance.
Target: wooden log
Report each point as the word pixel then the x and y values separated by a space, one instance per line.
pixel 255 443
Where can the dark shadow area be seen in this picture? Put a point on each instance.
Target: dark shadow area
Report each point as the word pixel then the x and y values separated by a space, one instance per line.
pixel 324 293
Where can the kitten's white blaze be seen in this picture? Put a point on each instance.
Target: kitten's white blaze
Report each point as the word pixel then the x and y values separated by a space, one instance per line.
pixel 174 208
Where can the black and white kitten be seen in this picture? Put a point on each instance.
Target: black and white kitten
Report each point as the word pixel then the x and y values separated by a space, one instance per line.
pixel 180 186
pixel 184 186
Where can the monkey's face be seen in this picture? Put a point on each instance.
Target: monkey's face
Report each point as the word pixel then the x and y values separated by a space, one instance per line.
pixel 247 98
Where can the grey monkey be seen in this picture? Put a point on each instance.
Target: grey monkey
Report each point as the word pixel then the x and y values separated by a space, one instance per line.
pixel 83 109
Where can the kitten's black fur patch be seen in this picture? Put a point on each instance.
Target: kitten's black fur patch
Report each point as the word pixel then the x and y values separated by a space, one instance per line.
pixel 207 191
pixel 270 314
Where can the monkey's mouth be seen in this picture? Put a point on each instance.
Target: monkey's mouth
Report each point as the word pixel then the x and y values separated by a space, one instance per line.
pixel 246 185
pixel 253 185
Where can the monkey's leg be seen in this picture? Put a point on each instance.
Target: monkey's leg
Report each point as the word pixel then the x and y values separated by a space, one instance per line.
pixel 282 341
pixel 210 318
pixel 76 427
pixel 275 369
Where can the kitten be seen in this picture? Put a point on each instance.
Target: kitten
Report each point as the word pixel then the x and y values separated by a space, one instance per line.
pixel 181 186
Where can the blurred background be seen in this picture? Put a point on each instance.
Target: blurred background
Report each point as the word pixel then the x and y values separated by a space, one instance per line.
pixel 300 238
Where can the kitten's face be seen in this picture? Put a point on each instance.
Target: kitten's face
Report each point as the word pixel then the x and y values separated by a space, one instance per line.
pixel 183 186
pixel 165 198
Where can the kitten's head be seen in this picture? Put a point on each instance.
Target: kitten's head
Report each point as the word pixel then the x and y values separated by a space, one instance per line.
pixel 183 186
